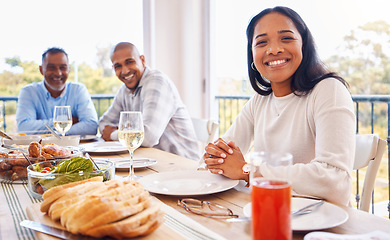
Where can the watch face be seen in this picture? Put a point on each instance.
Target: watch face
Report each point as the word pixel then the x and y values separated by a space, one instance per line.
pixel 246 168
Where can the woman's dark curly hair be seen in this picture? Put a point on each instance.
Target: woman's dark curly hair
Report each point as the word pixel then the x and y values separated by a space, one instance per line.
pixel 311 70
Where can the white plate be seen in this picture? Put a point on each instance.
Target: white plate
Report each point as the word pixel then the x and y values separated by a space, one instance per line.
pixel 104 148
pixel 88 138
pixel 326 216
pixel 187 183
pixel 124 165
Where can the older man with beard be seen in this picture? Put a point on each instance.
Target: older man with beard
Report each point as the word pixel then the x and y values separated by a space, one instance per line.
pixel 37 100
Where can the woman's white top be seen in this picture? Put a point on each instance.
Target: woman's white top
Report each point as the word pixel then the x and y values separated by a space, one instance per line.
pixel 317 129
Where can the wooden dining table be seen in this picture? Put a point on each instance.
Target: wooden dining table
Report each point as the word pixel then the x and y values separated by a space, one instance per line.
pixel 17 204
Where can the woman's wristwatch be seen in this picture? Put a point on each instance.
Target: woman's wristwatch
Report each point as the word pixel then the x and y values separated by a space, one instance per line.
pixel 246 168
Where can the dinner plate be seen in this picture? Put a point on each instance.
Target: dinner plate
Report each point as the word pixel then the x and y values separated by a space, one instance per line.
pixel 104 148
pixel 326 216
pixel 187 183
pixel 124 165
pixel 88 138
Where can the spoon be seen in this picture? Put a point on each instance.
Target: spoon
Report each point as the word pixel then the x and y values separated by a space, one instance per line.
pixel 90 158
pixel 52 131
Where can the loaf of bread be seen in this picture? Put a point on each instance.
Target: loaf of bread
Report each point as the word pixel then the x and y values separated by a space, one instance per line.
pixel 117 209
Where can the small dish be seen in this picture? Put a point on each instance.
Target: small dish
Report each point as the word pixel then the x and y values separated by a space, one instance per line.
pixel 88 138
pixel 124 165
pixel 105 148
pixel 39 182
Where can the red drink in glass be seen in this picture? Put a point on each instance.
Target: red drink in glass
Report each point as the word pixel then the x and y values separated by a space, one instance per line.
pixel 271 209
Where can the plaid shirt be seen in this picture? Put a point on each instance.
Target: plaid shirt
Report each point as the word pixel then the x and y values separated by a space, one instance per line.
pixel 167 122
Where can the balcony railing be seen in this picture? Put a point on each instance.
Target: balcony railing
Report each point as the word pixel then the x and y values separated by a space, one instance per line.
pixel 372 115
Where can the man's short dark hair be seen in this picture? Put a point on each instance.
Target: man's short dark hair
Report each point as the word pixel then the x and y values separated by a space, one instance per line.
pixel 53 50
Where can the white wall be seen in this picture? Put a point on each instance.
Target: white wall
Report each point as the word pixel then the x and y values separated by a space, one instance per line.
pixel 177 47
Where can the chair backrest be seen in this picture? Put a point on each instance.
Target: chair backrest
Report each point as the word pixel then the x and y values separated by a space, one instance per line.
pixel 205 129
pixel 369 152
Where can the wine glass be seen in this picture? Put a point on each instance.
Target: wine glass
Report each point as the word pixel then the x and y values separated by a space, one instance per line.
pixel 131 135
pixel 1 118
pixel 62 119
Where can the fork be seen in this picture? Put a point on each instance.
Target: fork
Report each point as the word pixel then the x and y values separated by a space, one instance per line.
pixel 308 209
pixel 302 211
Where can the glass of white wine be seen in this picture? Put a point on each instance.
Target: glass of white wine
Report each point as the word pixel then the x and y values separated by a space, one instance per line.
pixel 62 119
pixel 131 135
pixel 1 118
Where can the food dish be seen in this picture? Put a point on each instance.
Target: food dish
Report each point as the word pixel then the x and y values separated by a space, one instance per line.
pixel 39 182
pixel 187 183
pixel 13 167
pixel 124 165
pixel 104 148
pixel 326 216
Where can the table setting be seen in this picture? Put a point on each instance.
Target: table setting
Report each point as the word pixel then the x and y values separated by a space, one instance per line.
pixel 183 193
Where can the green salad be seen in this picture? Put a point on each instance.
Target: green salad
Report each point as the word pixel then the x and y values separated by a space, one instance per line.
pixel 67 171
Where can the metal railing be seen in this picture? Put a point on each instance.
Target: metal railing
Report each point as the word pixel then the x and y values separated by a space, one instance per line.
pixel 366 116
pixel 230 106
pixel 101 102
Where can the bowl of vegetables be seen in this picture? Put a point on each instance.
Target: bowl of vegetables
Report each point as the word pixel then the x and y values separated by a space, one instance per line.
pixel 45 175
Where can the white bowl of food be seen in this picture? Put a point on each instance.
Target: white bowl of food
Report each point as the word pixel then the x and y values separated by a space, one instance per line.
pixel 22 140
pixel 72 140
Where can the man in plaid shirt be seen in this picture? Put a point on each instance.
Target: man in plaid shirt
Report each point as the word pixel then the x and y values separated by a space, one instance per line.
pixel 167 123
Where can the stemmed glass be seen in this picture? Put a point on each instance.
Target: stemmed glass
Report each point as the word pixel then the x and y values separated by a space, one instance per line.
pixel 131 135
pixel 62 119
pixel 1 118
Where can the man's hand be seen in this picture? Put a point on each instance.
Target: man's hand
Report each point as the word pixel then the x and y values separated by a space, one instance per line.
pixel 106 133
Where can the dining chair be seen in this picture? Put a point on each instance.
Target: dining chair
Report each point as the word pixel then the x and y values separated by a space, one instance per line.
pixel 205 129
pixel 368 153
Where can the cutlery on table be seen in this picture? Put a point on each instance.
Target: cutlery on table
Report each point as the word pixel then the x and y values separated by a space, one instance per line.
pixel 57 232
pixel 52 131
pixel 308 209
pixel 3 134
pixel 302 211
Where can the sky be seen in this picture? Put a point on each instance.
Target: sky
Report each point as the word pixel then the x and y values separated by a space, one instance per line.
pixel 28 27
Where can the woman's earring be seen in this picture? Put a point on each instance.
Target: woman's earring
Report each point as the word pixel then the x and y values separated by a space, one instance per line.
pixel 253 67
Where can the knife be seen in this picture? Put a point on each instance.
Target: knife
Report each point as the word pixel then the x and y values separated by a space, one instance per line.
pixel 57 232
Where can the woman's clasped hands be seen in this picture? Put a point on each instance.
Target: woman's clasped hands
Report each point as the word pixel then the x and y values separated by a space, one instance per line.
pixel 226 159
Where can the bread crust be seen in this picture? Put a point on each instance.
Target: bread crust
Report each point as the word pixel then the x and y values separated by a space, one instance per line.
pixel 117 209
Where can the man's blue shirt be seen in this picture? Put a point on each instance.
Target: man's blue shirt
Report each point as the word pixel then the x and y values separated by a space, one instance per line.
pixel 36 107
